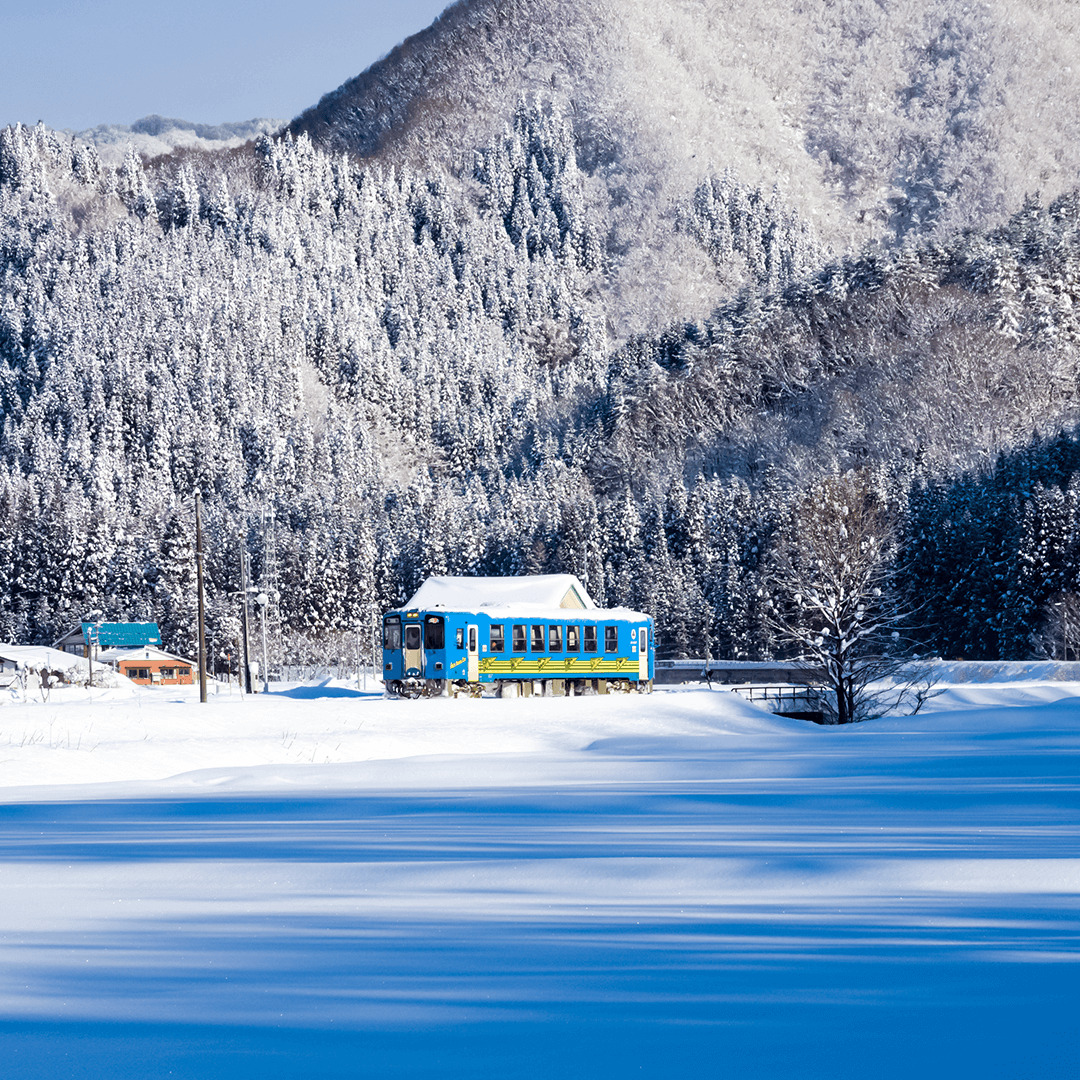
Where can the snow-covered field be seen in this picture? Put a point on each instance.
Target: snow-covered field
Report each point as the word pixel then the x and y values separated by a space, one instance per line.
pixel 320 883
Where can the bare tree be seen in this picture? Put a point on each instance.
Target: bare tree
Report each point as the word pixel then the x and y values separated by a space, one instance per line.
pixel 836 608
pixel 1060 636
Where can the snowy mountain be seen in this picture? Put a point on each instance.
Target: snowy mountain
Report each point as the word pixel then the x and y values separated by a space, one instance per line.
pixel 155 135
pixel 874 119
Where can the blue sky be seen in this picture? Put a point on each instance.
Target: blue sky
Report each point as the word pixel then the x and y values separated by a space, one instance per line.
pixel 76 64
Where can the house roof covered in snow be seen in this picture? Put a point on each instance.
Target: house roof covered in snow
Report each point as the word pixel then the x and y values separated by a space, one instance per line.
pixel 38 656
pixel 481 593
pixel 146 653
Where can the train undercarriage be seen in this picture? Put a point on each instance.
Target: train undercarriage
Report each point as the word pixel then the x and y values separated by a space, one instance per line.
pixel 510 688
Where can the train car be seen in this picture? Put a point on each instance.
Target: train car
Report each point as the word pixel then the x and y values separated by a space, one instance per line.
pixel 514 636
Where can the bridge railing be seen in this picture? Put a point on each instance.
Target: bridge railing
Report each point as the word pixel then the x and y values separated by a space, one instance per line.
pixel 735 672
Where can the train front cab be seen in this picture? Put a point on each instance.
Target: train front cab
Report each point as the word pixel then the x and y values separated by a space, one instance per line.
pixel 429 653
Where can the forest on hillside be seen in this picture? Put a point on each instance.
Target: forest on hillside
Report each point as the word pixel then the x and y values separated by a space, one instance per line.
pixel 374 375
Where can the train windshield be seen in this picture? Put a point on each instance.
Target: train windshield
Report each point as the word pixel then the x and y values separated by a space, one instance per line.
pixel 435 632
pixel 392 634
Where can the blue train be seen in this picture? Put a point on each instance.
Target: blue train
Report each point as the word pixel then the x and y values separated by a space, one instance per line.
pixel 514 636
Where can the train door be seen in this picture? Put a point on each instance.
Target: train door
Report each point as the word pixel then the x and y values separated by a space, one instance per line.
pixel 414 651
pixel 643 653
pixel 474 655
pixel 434 646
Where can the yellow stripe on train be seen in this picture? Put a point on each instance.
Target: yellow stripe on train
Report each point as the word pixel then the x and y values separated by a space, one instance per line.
pixel 547 665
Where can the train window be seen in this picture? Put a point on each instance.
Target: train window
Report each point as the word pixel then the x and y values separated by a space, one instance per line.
pixel 392 635
pixel 498 642
pixel 611 639
pixel 537 637
pixel 519 638
pixel 554 639
pixel 472 639
pixel 434 632
pixel 412 636
pixel 459 638
pixel 573 639
pixel 590 639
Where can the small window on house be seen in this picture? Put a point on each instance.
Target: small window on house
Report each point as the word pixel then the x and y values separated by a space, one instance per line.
pixel 573 639
pixel 590 639
pixel 497 641
pixel 138 673
pixel 537 637
pixel 554 639
pixel 459 637
pixel 519 638
pixel 611 639
pixel 168 673
pixel 183 672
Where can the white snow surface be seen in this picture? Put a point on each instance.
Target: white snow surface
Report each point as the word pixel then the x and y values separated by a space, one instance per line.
pixel 480 593
pixel 321 882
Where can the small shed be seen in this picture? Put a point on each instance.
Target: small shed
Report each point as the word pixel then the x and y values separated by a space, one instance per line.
pixel 150 667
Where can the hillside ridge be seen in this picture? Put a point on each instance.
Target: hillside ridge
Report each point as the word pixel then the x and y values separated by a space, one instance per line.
pixel 875 119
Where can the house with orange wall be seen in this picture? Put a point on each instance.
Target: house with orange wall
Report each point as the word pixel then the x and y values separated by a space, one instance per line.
pixel 150 667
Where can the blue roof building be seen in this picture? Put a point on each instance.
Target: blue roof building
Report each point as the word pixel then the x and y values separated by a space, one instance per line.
pixel 110 635
pixel 121 635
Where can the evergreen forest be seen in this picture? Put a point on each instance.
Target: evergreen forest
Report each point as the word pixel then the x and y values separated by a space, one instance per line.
pixel 375 372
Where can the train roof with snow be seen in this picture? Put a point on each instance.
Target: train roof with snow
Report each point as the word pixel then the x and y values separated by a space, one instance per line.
pixel 532 595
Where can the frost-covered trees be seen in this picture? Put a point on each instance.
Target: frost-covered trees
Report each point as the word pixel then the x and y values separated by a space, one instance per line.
pixel 416 374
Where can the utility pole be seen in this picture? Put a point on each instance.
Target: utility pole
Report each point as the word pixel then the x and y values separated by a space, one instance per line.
pixel 375 645
pixel 202 599
pixel 92 636
pixel 263 601
pixel 245 617
pixel 373 611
